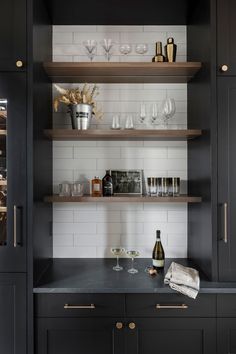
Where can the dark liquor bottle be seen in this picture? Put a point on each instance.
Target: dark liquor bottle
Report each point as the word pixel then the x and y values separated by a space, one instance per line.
pixel 159 57
pixel 158 254
pixel 107 185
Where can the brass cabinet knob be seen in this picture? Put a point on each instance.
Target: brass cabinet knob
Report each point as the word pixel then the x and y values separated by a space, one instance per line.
pixel 119 325
pixel 224 68
pixel 19 64
pixel 132 325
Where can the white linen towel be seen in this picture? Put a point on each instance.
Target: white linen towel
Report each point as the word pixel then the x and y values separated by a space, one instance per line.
pixel 183 279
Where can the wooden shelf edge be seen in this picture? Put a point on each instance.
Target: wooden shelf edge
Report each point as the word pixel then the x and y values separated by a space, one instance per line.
pixel 134 72
pixel 69 134
pixel 122 199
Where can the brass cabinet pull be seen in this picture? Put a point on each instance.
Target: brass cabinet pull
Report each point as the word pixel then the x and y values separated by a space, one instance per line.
pixel 119 325
pixel 180 306
pixel 224 68
pixel 14 226
pixel 132 325
pixel 225 238
pixel 19 63
pixel 68 307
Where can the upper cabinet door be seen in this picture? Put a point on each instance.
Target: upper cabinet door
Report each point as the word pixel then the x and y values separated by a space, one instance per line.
pixel 12 172
pixel 227 178
pixel 13 35
pixel 226 29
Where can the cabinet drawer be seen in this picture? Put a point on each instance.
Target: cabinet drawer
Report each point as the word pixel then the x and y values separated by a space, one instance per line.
pixel 79 305
pixel 170 305
pixel 226 305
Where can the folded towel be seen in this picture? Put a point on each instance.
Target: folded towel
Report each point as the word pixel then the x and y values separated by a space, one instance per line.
pixel 183 279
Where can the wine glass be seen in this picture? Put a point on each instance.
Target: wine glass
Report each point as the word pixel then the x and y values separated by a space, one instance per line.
pixel 132 254
pixel 91 48
pixel 141 48
pixel 125 48
pixel 168 109
pixel 154 113
pixel 107 44
pixel 142 114
pixel 117 252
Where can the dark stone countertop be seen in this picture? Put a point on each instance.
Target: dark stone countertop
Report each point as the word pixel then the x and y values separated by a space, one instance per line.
pixel 97 276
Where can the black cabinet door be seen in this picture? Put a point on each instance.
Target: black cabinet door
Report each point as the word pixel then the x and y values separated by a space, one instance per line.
pixel 13 172
pixel 226 30
pixel 12 34
pixel 12 313
pixel 171 335
pixel 226 336
pixel 79 336
pixel 227 178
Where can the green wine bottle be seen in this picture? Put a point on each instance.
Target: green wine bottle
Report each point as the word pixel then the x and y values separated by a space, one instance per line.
pixel 158 254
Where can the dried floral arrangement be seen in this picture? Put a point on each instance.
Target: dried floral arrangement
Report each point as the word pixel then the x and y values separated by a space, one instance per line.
pixel 86 94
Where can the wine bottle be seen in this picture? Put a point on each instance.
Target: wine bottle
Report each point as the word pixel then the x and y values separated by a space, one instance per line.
pixel 159 57
pixel 107 185
pixel 158 254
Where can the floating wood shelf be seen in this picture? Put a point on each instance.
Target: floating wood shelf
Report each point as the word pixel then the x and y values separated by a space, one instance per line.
pixel 136 134
pixel 132 72
pixel 121 199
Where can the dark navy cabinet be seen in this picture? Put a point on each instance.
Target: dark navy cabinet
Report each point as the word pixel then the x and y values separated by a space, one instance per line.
pixel 226 28
pixel 13 313
pixel 227 178
pixel 13 35
pixel 13 89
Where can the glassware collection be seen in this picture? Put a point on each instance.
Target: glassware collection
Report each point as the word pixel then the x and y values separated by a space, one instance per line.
pixel 123 182
pixel 163 186
pixel 108 45
pixel 158 257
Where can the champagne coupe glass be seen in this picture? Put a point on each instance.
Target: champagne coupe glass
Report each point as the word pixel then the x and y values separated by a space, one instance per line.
pixel 132 254
pixel 141 48
pixel 142 114
pixel 168 109
pixel 125 48
pixel 107 44
pixel 154 113
pixel 91 48
pixel 117 252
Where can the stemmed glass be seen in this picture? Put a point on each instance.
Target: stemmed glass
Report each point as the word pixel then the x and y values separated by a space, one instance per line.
pixel 141 48
pixel 117 252
pixel 132 254
pixel 91 48
pixel 142 114
pixel 154 113
pixel 125 48
pixel 107 45
pixel 168 109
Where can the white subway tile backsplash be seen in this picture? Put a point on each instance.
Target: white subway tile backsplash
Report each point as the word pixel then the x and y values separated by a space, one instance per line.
pixel 90 230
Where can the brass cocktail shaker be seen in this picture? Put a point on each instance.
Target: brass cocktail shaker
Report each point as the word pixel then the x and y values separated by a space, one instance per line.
pixel 170 50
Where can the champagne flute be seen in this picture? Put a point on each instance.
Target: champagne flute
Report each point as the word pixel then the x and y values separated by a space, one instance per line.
pixel 132 254
pixel 142 114
pixel 107 44
pixel 154 113
pixel 91 48
pixel 117 252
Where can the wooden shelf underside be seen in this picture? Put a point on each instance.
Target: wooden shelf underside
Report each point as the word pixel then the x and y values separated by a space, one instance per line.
pixel 69 134
pixel 132 72
pixel 122 199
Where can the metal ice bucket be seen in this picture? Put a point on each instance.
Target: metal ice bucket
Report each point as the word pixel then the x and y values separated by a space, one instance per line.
pixel 81 115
